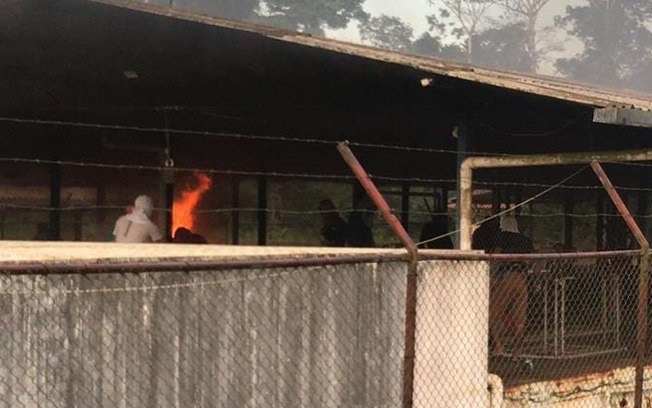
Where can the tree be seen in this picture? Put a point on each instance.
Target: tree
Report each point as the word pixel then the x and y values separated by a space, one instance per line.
pixel 312 16
pixel 431 46
pixel 234 9
pixel 617 41
pixel 468 15
pixel 528 10
pixel 503 47
pixel 387 32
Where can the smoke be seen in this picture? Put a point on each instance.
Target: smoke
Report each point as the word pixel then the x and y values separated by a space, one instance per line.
pixel 604 43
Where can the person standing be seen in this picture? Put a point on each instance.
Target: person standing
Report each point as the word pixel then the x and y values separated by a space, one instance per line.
pixel 360 226
pixel 136 227
pixel 509 293
pixel 333 230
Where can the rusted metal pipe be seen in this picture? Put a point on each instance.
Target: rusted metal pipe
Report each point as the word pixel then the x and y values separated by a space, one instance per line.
pixel 476 162
pixel 376 197
pixel 620 205
pixel 174 265
pixel 466 202
pixel 480 256
pixel 641 329
pixel 411 282
pixel 171 265
pixel 641 315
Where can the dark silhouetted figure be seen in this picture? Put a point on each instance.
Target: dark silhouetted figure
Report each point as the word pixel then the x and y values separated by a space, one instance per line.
pixel 484 237
pixel 333 230
pixel 361 221
pixel 185 236
pixel 42 232
pixel 509 294
pixel 433 229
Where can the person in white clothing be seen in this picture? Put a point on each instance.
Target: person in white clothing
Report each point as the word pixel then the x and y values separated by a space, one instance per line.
pixel 136 226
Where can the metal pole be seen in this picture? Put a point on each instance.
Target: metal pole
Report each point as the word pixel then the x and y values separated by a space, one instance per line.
pixel 262 210
pixel 641 328
pixel 235 214
pixel 411 284
pixel 169 207
pixel 55 203
pixel 641 318
pixel 465 205
pixel 620 205
pixel 376 197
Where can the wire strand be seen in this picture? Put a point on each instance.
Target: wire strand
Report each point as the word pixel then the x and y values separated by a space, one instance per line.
pixel 230 135
pixel 418 180
pixel 501 213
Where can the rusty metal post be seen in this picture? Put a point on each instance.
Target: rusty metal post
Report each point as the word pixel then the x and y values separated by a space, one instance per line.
pixel 411 284
pixel 641 313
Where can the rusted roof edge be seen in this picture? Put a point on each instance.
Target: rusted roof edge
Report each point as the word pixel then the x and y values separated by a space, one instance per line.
pixel 534 84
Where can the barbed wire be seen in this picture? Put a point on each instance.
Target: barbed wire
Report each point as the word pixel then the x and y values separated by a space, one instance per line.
pixel 139 167
pixel 243 173
pixel 234 135
pixel 507 211
pixel 229 210
pixel 632 164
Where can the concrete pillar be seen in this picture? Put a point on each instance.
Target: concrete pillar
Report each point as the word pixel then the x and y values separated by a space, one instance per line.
pixel 452 334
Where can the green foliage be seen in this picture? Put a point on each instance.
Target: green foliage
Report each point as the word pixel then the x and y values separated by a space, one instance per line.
pixel 387 32
pixel 233 9
pixel 430 45
pixel 617 40
pixel 312 16
pixel 503 46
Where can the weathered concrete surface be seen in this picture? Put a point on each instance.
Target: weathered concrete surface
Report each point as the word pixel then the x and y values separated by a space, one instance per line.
pixel 310 336
pixel 452 331
pixel 609 389
pixel 284 337
pixel 23 251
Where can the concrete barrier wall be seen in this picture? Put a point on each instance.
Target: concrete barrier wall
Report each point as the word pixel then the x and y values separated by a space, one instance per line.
pixel 286 337
pixel 452 332
pixel 319 337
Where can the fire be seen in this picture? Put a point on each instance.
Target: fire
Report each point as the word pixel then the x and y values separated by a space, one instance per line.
pixel 184 205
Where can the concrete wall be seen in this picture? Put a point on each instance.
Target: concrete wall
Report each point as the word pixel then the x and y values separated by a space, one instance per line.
pixel 452 332
pixel 287 337
pixel 309 337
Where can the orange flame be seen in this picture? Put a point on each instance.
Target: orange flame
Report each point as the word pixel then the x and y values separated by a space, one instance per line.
pixel 184 205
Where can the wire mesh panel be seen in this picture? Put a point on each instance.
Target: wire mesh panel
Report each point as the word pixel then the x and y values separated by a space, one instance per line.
pixel 562 317
pixel 281 337
pixel 451 334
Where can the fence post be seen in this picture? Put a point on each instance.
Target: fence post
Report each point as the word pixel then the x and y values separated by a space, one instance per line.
pixel 411 284
pixel 641 312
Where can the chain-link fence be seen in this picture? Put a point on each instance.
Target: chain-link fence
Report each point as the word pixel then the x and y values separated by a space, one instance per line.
pixel 273 337
pixel 318 331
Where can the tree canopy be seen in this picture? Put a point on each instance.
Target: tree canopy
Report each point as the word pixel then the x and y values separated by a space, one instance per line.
pixel 617 40
pixel 234 9
pixel 387 32
pixel 615 36
pixel 312 16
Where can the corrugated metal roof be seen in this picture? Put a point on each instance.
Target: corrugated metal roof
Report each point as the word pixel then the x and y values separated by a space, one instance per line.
pixel 533 84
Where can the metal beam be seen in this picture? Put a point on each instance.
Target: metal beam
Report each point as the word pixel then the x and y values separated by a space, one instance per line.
pixel 466 175
pixel 411 282
pixel 623 117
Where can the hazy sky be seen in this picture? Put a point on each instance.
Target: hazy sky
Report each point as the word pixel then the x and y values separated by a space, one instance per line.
pixel 414 12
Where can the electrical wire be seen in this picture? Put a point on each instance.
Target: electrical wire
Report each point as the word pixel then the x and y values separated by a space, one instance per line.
pixel 229 135
pixel 421 180
pixel 501 213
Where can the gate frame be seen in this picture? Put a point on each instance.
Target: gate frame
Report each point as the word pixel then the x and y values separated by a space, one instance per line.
pixel 593 159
